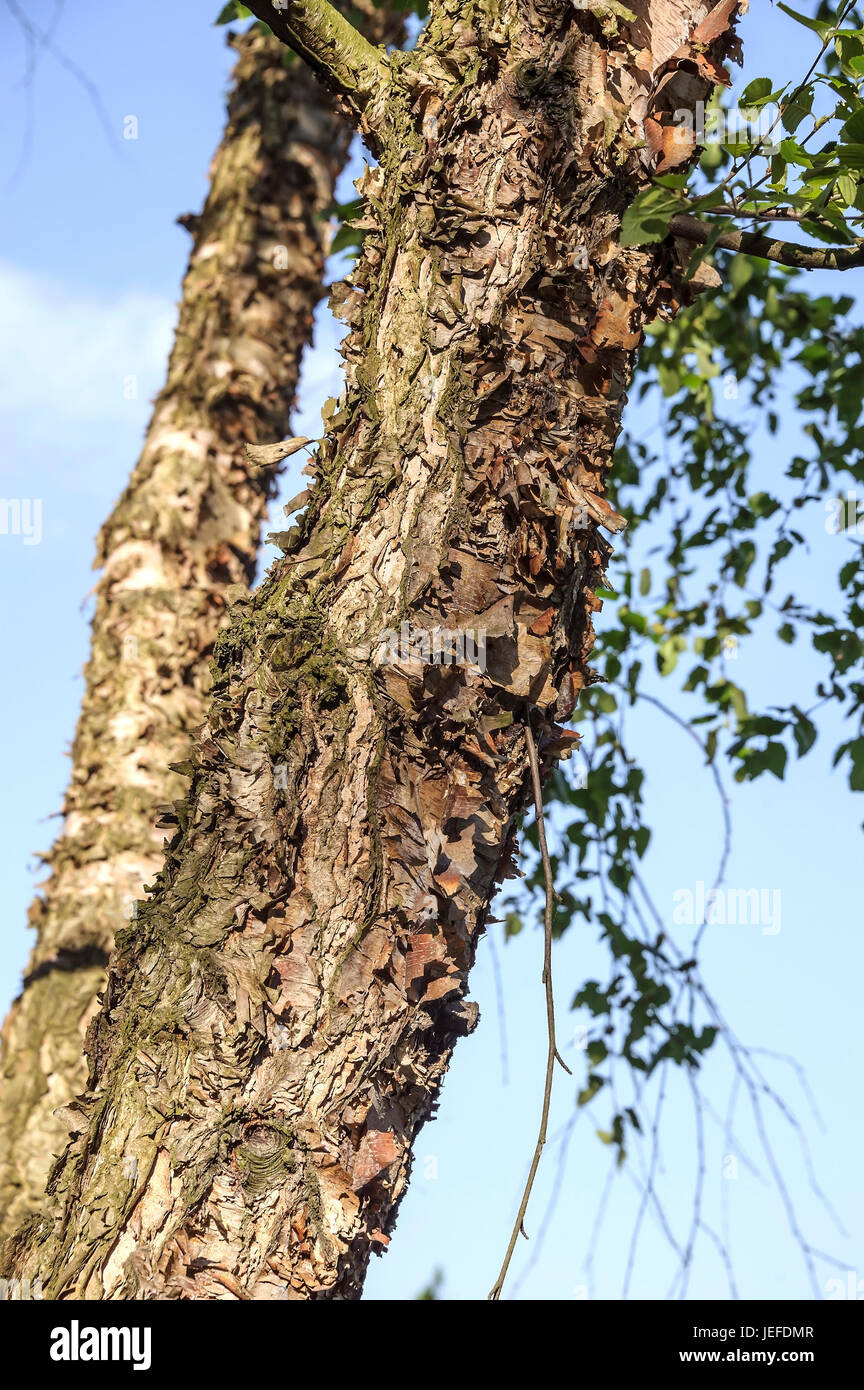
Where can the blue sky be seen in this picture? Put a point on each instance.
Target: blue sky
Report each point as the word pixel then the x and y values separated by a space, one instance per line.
pixel 90 267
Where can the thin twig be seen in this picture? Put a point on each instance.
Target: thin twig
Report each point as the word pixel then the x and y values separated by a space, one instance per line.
pixel 552 1053
pixel 502 1015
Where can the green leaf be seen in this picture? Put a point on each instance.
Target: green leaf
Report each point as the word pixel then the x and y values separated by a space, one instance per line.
pixel 795 111
pixel 587 1094
pixel 856 772
pixel 641 840
pixel 754 761
pixel 757 91
pixel 346 237
pixel 233 10
pixel 667 654
pixel 605 701
pixel 818 25
pixel 648 216
pixel 513 924
pixel 804 732
pixel 847 187
pixel 853 130
pixel 850 155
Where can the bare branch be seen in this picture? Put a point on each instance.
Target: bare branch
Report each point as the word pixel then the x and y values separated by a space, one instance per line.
pixel 755 244
pixel 345 63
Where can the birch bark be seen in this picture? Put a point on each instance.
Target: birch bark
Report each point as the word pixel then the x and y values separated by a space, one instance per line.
pixel 185 529
pixel 276 1029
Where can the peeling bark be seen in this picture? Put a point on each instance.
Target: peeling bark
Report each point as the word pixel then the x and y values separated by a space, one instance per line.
pixel 276 1028
pixel 185 529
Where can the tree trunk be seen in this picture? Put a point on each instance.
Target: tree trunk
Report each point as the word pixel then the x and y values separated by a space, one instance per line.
pixel 276 1028
pixel 186 527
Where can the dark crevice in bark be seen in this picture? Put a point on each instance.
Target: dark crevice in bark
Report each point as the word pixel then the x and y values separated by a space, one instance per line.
pixel 83 959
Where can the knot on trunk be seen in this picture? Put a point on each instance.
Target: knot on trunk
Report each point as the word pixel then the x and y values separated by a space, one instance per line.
pixel 264 1155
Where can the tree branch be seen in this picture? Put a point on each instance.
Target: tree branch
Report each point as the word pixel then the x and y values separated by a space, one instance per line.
pixel 755 244
pixel 552 1053
pixel 343 61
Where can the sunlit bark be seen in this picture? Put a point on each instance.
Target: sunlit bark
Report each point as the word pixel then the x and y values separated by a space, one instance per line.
pixel 186 527
pixel 277 1026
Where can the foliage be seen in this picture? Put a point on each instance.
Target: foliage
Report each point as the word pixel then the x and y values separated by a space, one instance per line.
pixel 795 153
pixel 715 521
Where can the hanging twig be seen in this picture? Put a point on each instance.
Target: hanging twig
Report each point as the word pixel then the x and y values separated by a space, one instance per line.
pixel 552 1053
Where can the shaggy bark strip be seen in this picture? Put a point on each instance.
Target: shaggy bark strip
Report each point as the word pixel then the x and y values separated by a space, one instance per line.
pixel 186 527
pixel 276 1028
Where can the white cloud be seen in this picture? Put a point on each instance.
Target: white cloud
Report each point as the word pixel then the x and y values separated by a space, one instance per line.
pixel 65 354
